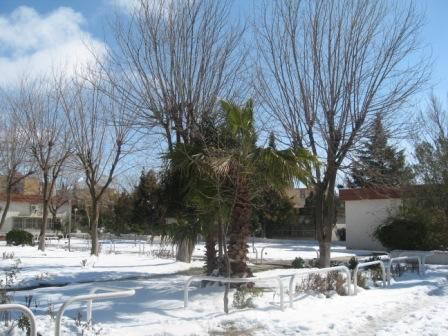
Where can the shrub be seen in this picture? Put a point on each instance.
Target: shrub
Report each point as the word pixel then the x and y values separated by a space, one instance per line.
pixel 298 263
pixel 244 295
pixel 352 263
pixel 19 237
pixel 402 234
pixel 323 284
pixel 341 233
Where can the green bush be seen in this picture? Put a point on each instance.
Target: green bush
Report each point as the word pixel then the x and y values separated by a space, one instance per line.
pixel 341 233
pixel 298 263
pixel 19 237
pixel 402 234
pixel 352 263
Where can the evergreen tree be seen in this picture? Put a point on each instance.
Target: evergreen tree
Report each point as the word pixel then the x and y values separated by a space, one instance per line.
pixel 378 163
pixel 146 209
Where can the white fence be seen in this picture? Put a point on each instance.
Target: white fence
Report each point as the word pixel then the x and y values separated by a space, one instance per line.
pixel 26 311
pixel 398 259
pixel 366 264
pixel 234 280
pixel 111 293
pixel 317 270
pixel 259 256
pixel 422 254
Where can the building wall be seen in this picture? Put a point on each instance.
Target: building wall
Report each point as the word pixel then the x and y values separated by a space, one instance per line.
pixel 297 196
pixel 362 217
pixel 31 186
pixel 24 209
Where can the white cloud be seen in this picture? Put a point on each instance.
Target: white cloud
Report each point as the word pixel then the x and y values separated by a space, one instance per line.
pixel 35 43
pixel 127 6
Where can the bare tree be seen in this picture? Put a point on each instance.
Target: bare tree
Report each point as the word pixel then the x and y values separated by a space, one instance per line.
pixel 173 60
pixel 14 163
pixel 101 135
pixel 36 105
pixel 326 69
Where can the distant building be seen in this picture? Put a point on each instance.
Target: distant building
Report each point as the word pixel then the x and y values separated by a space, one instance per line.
pixel 300 224
pixel 25 210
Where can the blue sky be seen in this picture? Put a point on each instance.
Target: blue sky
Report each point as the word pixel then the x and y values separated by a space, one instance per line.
pixel 87 19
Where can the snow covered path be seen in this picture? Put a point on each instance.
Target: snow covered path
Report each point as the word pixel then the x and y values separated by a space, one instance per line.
pixel 412 305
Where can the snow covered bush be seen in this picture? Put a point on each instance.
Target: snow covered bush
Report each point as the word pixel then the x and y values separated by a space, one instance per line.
pixel 244 296
pixel 323 284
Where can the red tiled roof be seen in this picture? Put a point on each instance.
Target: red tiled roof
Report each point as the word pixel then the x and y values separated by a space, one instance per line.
pixel 19 198
pixel 368 193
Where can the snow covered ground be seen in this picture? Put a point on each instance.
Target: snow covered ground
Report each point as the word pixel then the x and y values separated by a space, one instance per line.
pixel 412 305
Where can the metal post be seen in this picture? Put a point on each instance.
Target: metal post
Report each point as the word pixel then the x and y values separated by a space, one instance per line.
pixel 26 311
pixel 69 222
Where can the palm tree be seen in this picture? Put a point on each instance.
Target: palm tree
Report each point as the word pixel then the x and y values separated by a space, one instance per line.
pixel 228 169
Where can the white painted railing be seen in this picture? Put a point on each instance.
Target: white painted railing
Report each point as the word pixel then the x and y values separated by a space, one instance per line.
pixel 24 310
pixel 111 293
pixel 366 264
pixel 398 259
pixel 233 280
pixel 111 244
pixel 317 270
pixel 422 254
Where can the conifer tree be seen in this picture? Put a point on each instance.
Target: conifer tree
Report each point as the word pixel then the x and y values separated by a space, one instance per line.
pixel 379 163
pixel 146 202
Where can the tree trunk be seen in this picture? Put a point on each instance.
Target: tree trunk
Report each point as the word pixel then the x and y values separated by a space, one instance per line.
pixel 325 217
pixel 210 253
pixel 43 228
pixel 45 201
pixel 239 232
pixel 185 250
pixel 94 228
pixel 7 204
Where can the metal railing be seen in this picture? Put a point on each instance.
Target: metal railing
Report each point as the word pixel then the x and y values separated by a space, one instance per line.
pixel 259 257
pixel 111 244
pixel 422 254
pixel 233 280
pixel 392 260
pixel 366 264
pixel 24 310
pixel 318 270
pixel 112 293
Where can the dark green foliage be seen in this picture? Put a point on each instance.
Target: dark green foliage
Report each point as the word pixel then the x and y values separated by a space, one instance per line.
pixel 352 263
pixel 19 237
pixel 402 234
pixel 271 210
pixel 146 215
pixel 341 233
pixel 378 163
pixel 298 263
pixel 123 211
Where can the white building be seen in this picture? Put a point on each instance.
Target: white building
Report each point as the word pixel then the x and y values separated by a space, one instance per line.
pixel 25 212
pixel 365 210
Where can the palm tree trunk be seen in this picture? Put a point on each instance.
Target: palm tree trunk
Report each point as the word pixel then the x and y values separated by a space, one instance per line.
pixel 210 253
pixel 239 232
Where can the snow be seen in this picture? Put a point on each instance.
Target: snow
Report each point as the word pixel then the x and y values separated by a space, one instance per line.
pixel 412 305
